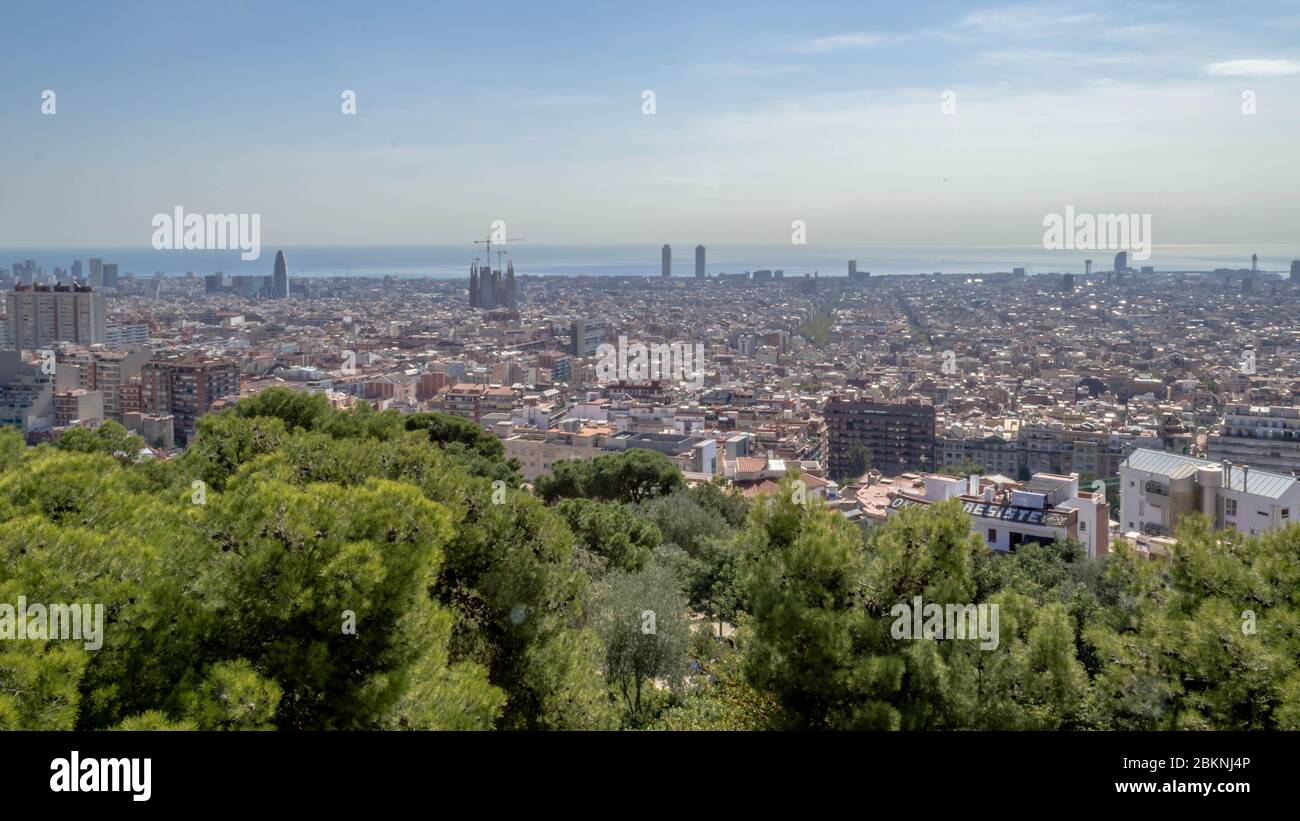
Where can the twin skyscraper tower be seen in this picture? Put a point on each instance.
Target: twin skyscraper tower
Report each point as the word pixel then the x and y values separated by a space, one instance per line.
pixel 666 265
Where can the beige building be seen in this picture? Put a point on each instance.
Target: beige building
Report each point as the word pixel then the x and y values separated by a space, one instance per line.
pixel 538 450
pixel 156 429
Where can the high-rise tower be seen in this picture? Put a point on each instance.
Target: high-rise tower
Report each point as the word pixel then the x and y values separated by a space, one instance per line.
pixel 280 279
pixel 666 261
pixel 699 262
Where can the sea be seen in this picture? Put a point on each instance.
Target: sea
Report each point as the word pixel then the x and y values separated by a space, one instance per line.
pixel 453 261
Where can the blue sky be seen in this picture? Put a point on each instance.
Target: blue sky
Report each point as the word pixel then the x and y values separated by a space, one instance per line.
pixel 765 113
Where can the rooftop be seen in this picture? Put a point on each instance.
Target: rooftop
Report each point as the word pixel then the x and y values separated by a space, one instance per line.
pixel 1175 466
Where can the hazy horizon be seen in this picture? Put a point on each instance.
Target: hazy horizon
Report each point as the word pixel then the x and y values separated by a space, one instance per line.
pixel 453 261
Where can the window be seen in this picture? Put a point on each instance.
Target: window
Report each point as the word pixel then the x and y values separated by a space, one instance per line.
pixel 1083 526
pixel 993 536
pixel 1286 513
pixel 1230 507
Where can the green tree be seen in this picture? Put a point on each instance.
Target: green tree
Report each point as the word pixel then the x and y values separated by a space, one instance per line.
pixel 712 579
pixel 642 619
pixel 233 697
pixel 1215 646
pixel 298 410
pixel 110 438
pixel 622 539
pixel 721 698
pixel 859 462
pixel 965 468
pixel 634 476
pixel 805 578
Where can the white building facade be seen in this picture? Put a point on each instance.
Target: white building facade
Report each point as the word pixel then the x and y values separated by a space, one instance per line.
pixel 1158 488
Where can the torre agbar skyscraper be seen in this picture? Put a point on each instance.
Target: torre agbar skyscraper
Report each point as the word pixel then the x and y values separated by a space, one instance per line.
pixel 280 279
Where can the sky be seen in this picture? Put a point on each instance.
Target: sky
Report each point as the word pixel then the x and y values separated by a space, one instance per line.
pixel 764 113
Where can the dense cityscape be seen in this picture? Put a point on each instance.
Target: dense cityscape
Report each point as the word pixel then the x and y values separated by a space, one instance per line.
pixel 877 390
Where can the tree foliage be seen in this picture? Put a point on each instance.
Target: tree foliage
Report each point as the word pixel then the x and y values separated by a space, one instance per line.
pixel 634 476
pixel 300 567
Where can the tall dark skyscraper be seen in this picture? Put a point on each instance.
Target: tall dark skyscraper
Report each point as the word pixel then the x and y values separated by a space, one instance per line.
pixel 1295 272
pixel 699 262
pixel 1121 262
pixel 666 264
pixel 280 279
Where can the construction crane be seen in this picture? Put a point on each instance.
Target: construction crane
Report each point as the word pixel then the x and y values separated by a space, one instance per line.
pixel 488 243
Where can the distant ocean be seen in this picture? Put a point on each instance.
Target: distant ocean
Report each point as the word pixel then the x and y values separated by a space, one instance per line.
pixel 453 261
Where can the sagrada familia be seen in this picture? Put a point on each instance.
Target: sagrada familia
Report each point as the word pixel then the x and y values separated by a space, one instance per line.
pixel 489 289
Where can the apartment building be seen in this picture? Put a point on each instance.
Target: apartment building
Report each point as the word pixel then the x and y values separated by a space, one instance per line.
pixel 1043 448
pixel 1158 488
pixel 463 399
pixel 899 437
pixel 39 316
pixel 126 335
pixel 586 336
pixel 996 453
pixel 78 407
pixel 1264 437
pixel 1046 509
pixel 27 391
pixel 107 372
pixel 186 389
pixel 538 450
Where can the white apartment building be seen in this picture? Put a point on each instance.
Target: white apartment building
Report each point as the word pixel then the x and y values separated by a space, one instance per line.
pixel 1262 436
pixel 1047 508
pixel 39 318
pixel 1157 488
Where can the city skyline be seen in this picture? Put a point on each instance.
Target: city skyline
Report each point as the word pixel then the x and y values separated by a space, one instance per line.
pixel 830 114
pixel 540 259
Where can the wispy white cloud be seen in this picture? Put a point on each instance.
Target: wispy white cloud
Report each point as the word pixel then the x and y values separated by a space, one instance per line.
pixel 839 42
pixel 738 69
pixel 1253 68
pixel 1025 21
pixel 1020 22
pixel 558 101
